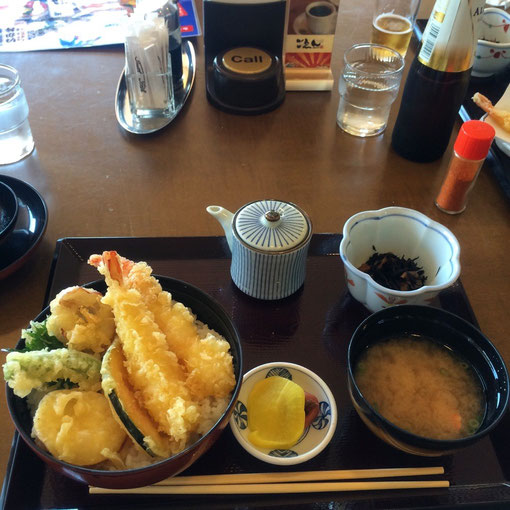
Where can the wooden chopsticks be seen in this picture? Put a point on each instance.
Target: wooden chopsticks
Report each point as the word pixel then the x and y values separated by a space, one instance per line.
pixel 273 488
pixel 300 476
pixel 284 483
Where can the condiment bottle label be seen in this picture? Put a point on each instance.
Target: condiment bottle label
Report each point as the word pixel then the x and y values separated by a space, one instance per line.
pixel 433 29
pixel 447 45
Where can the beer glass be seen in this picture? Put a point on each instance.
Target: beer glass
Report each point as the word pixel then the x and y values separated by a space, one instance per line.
pixel 393 23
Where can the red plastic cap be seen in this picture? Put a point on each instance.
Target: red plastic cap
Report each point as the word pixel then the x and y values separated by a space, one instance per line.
pixel 474 140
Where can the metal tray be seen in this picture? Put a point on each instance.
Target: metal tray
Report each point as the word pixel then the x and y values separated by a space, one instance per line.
pixel 151 125
pixel 311 328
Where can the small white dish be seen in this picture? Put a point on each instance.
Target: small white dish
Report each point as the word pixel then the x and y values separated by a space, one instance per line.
pixel 314 439
pixel 504 146
pixel 501 4
pixel 403 232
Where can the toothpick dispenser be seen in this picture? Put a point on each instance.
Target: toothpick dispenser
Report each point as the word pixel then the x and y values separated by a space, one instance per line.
pixel 243 42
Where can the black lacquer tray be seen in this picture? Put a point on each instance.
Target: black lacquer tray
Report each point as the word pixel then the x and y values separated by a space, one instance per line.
pixel 311 328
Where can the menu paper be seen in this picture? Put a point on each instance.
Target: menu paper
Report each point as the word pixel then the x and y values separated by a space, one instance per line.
pixel 309 38
pixel 59 24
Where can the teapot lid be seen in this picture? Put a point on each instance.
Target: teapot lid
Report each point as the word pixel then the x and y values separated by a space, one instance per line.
pixel 272 225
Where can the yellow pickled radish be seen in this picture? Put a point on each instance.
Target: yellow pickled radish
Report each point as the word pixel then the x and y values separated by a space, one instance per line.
pixel 276 413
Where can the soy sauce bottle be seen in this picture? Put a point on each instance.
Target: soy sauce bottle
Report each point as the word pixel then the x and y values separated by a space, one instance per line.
pixel 438 80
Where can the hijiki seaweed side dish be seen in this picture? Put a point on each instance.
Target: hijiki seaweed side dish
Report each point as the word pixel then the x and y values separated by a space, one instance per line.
pixel 392 272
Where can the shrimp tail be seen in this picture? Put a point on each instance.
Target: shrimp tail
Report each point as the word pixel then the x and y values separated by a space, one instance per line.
pixel 112 265
pixel 499 115
pixel 483 102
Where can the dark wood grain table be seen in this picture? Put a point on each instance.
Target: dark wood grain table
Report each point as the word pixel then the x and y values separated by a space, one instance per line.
pixel 99 181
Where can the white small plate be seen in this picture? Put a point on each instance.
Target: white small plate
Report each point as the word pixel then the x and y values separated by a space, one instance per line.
pixel 314 439
pixel 504 146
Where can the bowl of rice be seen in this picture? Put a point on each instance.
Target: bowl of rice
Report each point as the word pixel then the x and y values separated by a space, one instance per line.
pixel 106 432
pixel 424 380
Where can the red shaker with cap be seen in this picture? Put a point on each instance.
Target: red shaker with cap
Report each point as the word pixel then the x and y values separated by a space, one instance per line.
pixel 469 152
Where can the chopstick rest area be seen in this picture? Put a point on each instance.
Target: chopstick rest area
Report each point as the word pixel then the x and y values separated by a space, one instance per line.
pixel 290 482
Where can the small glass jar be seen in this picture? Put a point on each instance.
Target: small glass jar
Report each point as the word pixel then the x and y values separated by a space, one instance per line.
pixel 469 152
pixel 16 140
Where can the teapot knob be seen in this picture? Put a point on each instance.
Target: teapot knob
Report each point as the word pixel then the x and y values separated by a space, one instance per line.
pixel 272 216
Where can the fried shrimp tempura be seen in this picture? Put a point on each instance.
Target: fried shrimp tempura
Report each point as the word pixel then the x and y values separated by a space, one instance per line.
pixel 179 365
pixel 205 356
pixel 500 116
pixel 154 370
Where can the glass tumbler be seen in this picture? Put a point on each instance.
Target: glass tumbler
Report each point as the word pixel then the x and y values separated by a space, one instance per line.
pixel 16 140
pixel 368 87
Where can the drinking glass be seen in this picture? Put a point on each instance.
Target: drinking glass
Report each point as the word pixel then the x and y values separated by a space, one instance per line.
pixel 393 23
pixel 368 87
pixel 149 67
pixel 150 94
pixel 16 140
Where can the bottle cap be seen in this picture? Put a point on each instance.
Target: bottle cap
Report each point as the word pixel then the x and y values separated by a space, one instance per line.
pixel 474 140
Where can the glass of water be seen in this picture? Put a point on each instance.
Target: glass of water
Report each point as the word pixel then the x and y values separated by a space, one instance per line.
pixel 368 87
pixel 16 140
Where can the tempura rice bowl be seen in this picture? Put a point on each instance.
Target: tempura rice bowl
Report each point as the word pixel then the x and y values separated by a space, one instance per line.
pixel 207 311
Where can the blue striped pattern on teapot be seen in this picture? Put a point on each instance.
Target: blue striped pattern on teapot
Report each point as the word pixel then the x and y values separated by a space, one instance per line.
pixel 268 275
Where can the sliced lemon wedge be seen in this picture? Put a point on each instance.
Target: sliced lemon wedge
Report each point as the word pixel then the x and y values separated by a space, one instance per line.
pixel 276 413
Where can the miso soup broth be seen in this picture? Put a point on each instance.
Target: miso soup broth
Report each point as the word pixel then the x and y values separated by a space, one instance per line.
pixel 422 387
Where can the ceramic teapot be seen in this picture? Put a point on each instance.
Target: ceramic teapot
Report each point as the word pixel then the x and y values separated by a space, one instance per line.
pixel 269 242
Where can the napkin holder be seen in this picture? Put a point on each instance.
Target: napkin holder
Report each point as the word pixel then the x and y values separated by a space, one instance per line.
pixel 243 43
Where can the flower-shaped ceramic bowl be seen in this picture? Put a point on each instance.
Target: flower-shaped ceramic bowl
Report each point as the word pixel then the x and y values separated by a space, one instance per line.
pixel 315 437
pixel 493 49
pixel 403 232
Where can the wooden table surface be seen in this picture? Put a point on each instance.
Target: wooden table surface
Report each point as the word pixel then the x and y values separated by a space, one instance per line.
pixel 98 181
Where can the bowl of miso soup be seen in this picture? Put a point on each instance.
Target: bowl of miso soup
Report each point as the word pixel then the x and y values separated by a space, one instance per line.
pixel 425 380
